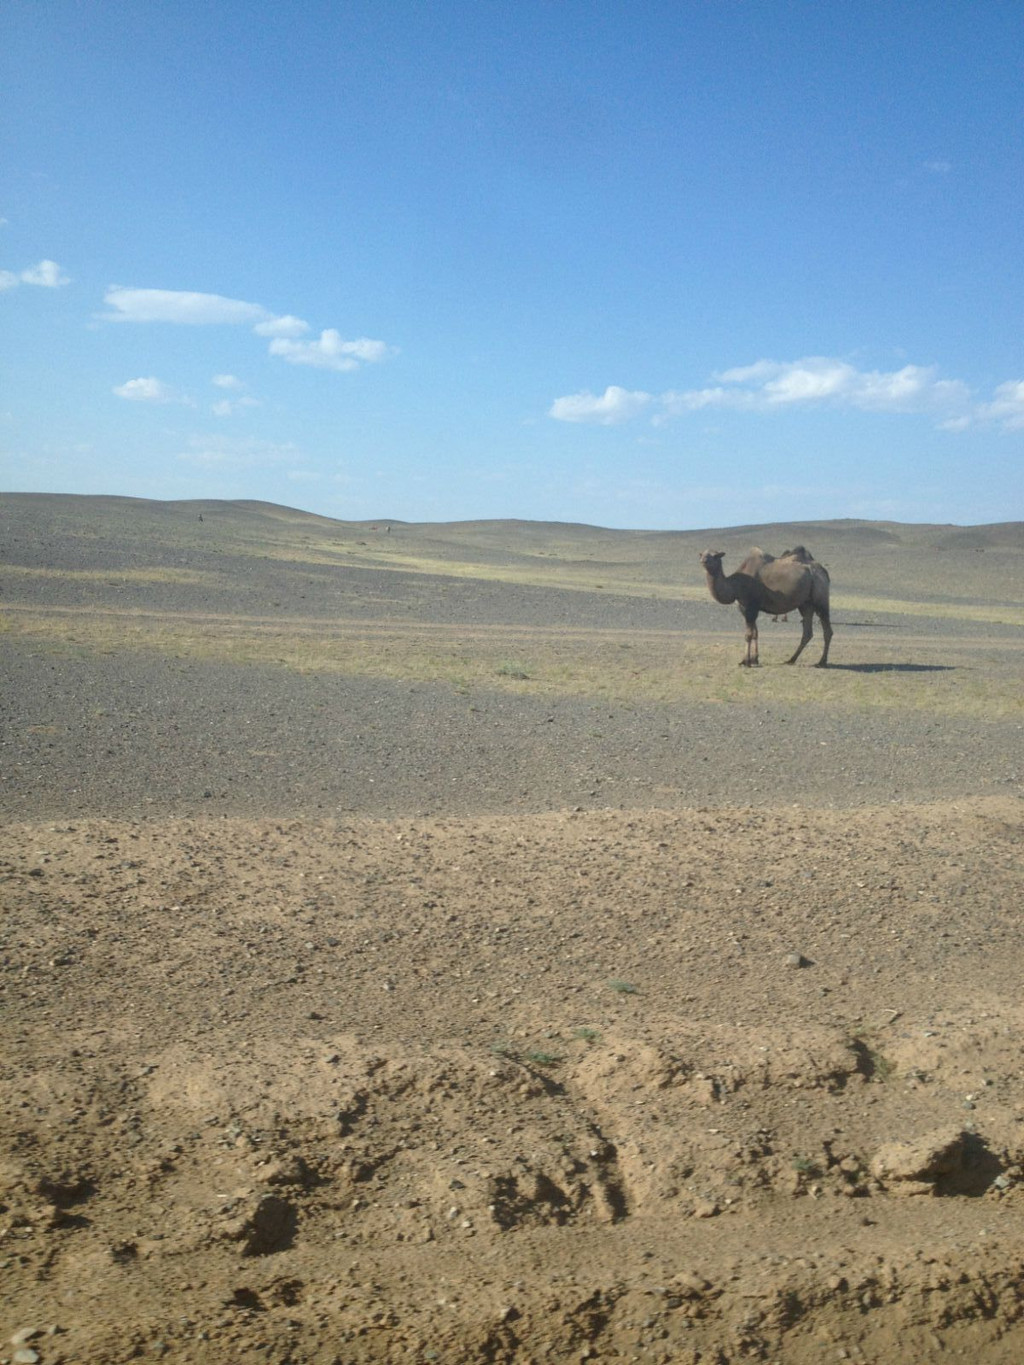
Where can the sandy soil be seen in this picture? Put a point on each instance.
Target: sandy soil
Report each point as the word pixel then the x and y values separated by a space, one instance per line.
pixel 496 1026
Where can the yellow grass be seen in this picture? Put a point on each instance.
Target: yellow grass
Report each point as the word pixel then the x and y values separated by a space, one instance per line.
pixel 156 574
pixel 990 613
pixel 948 677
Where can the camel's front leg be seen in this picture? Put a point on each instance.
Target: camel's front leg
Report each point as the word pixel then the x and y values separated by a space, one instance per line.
pixel 807 615
pixel 751 660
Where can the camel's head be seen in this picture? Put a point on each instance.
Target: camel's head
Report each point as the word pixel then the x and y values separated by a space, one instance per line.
pixel 712 560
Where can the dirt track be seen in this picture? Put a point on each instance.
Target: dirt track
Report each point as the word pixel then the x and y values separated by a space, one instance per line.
pixel 355 1019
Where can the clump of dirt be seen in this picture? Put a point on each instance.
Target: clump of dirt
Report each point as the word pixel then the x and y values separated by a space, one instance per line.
pixel 660 1086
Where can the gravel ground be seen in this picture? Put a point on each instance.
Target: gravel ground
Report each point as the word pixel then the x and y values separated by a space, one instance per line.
pixel 144 735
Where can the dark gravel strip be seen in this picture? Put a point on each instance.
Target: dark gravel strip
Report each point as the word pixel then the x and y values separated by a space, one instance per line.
pixel 138 736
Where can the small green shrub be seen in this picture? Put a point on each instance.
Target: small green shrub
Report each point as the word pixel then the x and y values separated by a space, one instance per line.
pixel 622 987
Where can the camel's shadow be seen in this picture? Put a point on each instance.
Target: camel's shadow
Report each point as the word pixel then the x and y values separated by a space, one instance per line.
pixel 892 668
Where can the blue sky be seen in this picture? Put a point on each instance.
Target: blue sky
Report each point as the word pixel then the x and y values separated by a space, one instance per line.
pixel 688 264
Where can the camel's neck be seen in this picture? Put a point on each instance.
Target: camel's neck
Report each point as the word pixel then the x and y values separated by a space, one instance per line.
pixel 721 589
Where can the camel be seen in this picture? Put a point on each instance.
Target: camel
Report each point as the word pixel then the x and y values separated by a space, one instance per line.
pixel 793 582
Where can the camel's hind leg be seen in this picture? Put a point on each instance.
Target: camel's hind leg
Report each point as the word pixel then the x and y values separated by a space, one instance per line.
pixel 807 616
pixel 826 630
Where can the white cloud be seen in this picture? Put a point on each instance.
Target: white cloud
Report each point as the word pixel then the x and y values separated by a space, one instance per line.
pixel 330 352
pixel 48 274
pixel 674 403
pixel 808 380
pixel 914 388
pixel 227 381
pixel 613 406
pixel 286 326
pixel 1007 407
pixel 746 374
pixel 770 385
pixel 148 390
pixel 179 306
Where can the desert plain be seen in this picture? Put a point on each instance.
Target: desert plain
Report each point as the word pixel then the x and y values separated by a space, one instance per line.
pixel 423 943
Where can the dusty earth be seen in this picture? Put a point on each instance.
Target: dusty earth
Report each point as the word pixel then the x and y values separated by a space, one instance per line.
pixel 356 1009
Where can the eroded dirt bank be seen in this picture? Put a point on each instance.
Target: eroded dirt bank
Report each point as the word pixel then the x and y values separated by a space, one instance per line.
pixel 699 1085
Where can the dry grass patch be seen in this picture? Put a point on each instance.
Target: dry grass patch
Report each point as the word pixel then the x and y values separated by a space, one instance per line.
pixel 630 667
pixel 154 574
pixel 989 613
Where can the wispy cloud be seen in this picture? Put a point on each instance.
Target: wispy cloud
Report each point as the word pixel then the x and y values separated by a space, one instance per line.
pixel 46 274
pixel 239 402
pixel 238 453
pixel 1007 406
pixel 815 381
pixel 150 390
pixel 228 407
pixel 189 308
pixel 330 351
pixel 286 326
pixel 607 409
pixel 184 307
pixel 818 379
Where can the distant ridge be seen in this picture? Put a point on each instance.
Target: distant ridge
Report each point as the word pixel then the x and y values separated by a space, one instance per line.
pixel 1009 534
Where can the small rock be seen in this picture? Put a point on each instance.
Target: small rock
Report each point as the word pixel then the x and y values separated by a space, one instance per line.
pixel 796 960
pixel 706 1208
pixel 914 1167
pixel 25 1334
pixel 688 1285
pixel 286 1170
pixel 25 1356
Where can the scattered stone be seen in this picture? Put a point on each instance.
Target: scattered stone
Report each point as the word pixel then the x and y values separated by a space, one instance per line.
pixel 796 960
pixel 26 1334
pixel 25 1356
